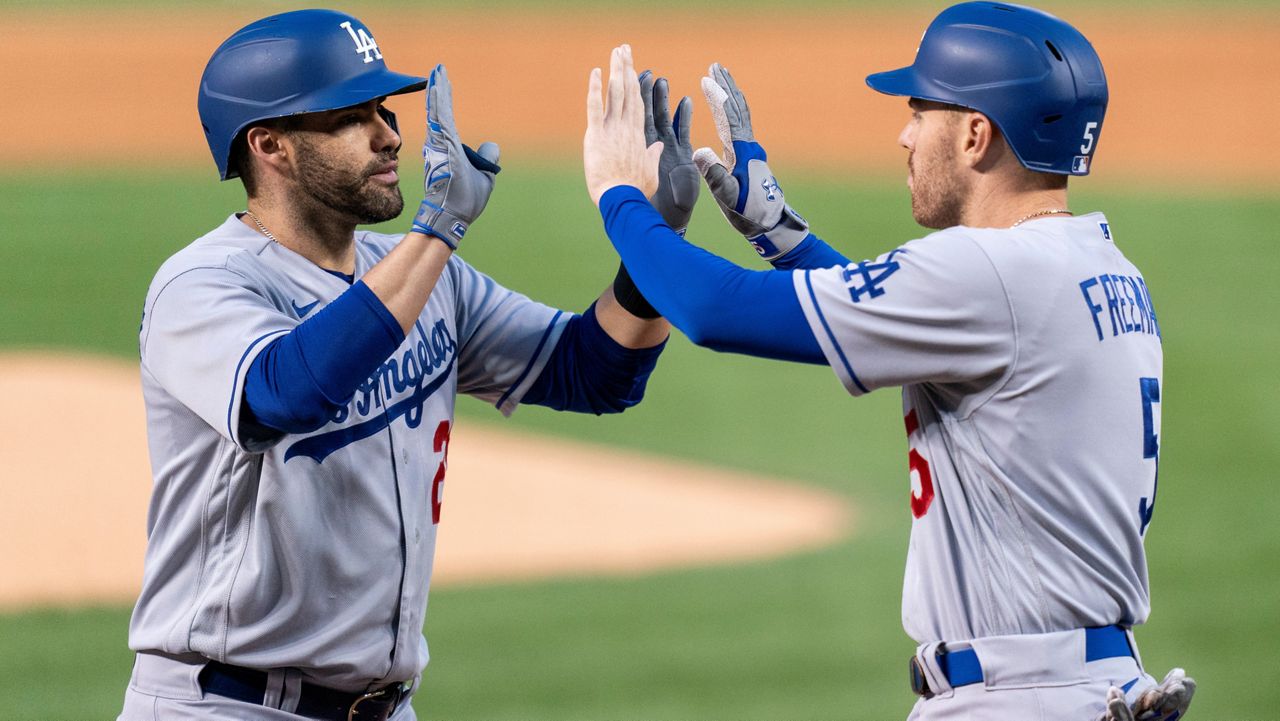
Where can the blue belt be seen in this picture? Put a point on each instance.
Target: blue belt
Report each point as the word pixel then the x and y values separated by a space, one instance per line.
pixel 963 668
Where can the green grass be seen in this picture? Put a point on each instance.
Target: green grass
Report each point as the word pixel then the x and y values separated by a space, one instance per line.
pixel 814 636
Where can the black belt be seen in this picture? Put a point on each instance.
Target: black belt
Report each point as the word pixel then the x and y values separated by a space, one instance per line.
pixel 318 702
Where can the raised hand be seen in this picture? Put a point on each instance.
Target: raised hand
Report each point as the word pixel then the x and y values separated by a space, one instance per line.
pixel 677 176
pixel 614 151
pixel 458 180
pixel 742 183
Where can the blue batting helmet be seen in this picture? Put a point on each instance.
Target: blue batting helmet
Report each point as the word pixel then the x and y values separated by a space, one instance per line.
pixel 304 61
pixel 1036 77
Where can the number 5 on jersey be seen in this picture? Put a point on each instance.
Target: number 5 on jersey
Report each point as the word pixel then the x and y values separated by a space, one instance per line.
pixel 1150 446
pixel 921 476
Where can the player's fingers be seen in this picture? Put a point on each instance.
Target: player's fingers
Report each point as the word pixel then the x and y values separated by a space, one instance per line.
pixel 1189 684
pixel 716 96
pixel 1117 708
pixel 661 108
pixel 712 91
pixel 489 151
pixel 616 86
pixel 595 100
pixel 435 132
pixel 704 158
pixel 646 96
pixel 652 158
pixel 733 101
pixel 631 107
pixel 683 119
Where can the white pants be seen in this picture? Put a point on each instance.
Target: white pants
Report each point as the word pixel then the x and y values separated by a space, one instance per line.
pixel 168 689
pixel 1042 677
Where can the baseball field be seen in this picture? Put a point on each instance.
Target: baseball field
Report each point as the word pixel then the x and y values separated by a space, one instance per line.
pixel 733 547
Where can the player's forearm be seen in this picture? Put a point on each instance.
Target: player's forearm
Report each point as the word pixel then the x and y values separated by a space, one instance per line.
pixel 628 330
pixel 712 301
pixel 403 280
pixel 811 254
pixel 590 372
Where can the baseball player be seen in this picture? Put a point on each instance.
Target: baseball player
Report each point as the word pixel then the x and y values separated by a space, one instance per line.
pixel 300 377
pixel 1026 345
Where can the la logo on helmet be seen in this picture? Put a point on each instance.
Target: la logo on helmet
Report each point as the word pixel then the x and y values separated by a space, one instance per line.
pixel 364 42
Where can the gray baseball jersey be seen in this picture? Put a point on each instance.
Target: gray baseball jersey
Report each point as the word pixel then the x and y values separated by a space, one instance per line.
pixel 1030 361
pixel 310 551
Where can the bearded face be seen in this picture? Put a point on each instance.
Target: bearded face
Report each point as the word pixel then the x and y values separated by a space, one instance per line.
pixel 938 188
pixel 347 186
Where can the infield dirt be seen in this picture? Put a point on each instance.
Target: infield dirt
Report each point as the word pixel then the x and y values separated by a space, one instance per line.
pixel 515 506
pixel 1193 93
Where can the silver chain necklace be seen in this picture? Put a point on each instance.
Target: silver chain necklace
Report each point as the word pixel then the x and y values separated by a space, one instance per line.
pixel 1052 211
pixel 272 238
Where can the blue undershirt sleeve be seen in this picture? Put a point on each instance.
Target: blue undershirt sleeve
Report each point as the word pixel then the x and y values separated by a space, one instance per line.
pixel 298 382
pixel 589 372
pixel 715 303
pixel 812 253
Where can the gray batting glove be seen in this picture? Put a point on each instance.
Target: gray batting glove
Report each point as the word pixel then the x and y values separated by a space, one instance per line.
pixel 742 184
pixel 1167 702
pixel 458 179
pixel 677 176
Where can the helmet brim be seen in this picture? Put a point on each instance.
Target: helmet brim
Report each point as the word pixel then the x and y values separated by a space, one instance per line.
pixel 359 90
pixel 906 82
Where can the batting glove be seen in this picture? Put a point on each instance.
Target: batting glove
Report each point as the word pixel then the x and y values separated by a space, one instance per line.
pixel 1167 702
pixel 748 195
pixel 677 176
pixel 458 179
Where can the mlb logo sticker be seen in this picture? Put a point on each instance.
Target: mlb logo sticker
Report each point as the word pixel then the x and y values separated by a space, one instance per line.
pixel 1080 165
pixel 1106 230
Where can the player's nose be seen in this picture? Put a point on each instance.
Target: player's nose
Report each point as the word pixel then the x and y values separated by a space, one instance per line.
pixel 385 137
pixel 907 138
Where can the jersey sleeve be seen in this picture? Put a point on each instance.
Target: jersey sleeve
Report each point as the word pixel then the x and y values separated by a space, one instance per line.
pixel 933 311
pixel 505 338
pixel 201 330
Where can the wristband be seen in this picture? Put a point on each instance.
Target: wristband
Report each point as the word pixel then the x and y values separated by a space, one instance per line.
pixel 429 215
pixel 630 297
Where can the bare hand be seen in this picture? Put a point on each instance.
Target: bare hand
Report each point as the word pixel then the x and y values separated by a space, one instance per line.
pixel 613 150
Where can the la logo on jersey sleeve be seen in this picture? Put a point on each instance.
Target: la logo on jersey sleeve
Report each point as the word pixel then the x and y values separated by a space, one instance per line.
pixel 865 278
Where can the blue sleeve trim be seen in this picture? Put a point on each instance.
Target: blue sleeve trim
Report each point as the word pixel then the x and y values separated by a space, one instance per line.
pixel 235 386
pixel 590 372
pixel 811 254
pixel 537 352
pixel 302 378
pixel 813 298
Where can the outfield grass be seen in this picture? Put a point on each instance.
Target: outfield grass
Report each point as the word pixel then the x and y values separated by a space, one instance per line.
pixel 815 636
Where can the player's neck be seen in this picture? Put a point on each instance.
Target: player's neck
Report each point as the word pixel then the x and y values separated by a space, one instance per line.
pixel 1003 205
pixel 315 234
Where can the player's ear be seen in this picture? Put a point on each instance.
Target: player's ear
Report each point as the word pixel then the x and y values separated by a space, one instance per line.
pixel 977 137
pixel 267 147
